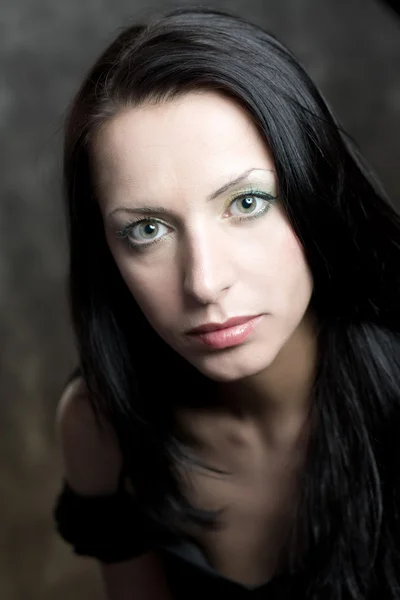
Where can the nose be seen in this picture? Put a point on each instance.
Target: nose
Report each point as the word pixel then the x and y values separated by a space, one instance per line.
pixel 208 270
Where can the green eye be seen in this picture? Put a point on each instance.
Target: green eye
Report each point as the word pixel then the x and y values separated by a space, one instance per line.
pixel 143 233
pixel 251 204
pixel 248 204
pixel 148 230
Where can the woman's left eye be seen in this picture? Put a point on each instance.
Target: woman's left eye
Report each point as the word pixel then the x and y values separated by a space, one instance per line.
pixel 250 204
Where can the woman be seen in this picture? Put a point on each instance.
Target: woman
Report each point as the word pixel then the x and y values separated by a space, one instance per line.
pixel 235 294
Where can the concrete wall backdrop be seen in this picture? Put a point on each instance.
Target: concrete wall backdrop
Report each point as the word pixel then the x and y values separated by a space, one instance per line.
pixel 350 47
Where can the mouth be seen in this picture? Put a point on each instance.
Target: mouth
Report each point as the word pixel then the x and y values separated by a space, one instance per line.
pixel 224 335
pixel 208 327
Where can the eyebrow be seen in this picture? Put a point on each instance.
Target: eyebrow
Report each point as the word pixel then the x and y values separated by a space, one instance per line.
pixel 160 209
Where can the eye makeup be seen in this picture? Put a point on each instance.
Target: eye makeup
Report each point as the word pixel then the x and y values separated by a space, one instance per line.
pixel 265 201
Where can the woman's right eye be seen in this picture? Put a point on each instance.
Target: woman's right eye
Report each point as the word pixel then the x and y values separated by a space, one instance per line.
pixel 143 233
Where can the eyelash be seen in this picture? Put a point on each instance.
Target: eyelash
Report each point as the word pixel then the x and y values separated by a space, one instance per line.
pixel 125 232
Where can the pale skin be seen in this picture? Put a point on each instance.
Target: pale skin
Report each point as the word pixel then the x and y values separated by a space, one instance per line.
pixel 163 165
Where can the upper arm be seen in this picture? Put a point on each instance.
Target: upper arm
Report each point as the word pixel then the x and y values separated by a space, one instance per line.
pixel 92 463
pixel 140 578
pixel 90 451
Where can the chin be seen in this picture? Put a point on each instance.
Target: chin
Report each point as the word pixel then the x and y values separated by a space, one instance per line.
pixel 229 368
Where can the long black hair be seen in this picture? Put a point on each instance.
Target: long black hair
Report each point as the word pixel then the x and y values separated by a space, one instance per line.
pixel 348 515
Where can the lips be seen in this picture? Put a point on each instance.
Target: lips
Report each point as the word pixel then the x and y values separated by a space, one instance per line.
pixel 208 327
pixel 220 336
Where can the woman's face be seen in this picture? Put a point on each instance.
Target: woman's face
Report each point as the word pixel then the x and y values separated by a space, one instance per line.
pixel 190 202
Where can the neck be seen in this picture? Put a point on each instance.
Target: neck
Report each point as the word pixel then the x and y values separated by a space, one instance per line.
pixel 279 397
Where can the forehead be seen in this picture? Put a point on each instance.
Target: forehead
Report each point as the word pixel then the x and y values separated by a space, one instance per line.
pixel 196 140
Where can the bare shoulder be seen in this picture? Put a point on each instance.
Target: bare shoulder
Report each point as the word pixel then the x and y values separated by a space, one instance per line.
pixel 92 464
pixel 90 451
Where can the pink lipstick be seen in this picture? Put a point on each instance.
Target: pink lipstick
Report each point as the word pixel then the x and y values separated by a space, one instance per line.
pixel 224 335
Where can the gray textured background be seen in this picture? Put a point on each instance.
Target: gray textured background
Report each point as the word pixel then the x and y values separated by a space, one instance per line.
pixel 350 47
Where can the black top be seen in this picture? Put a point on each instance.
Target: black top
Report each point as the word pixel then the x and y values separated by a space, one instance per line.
pixel 112 528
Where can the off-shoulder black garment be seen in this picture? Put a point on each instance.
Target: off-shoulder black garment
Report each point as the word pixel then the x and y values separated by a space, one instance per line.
pixel 113 528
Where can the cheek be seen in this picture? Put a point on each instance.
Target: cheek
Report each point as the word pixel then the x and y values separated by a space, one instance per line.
pixel 154 290
pixel 294 273
pixel 288 277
